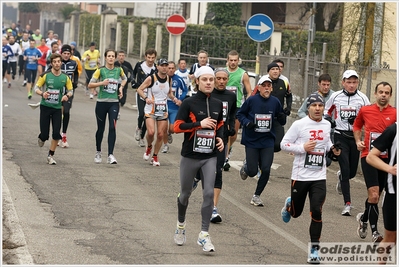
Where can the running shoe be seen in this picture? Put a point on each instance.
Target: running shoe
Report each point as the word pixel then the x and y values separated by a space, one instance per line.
pixel 91 96
pixel 97 158
pixel 137 134
pixel 243 175
pixel 141 143
pixel 226 165
pixel 165 148
pixel 51 161
pixel 256 201
pixel 170 139
pixel 24 84
pixel 154 161
pixel 204 240
pixel 314 256
pixel 34 106
pixel 147 153
pixel 111 159
pixel 195 183
pixel 40 142
pixel 29 95
pixel 9 85
pixel 376 237
pixel 361 227
pixel 215 218
pixel 285 214
pixel 180 234
pixel 338 186
pixel 347 209
pixel 64 142
pixel 119 116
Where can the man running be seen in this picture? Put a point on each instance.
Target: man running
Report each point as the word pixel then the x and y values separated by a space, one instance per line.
pixel 50 86
pixel 200 118
pixel 344 106
pixel 159 89
pixel 374 119
pixel 309 140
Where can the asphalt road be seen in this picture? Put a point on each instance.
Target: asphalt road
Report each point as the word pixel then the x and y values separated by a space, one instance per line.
pixel 79 212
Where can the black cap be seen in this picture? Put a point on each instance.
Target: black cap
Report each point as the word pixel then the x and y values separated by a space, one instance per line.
pixel 162 61
pixel 92 44
pixel 272 65
pixel 66 48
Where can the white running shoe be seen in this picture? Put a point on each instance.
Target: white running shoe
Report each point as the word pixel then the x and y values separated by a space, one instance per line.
pixel 147 153
pixel 154 161
pixel 137 134
pixel 361 227
pixel 141 143
pixel 97 158
pixel 91 96
pixel 180 234
pixel 347 210
pixel 111 159
pixel 64 142
pixel 51 161
pixel 256 201
pixel 204 240
pixel 165 148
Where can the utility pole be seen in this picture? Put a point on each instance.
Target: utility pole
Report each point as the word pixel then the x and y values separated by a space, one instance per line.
pixel 311 34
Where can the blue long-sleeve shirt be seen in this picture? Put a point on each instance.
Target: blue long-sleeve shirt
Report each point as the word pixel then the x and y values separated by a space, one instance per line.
pixel 7 52
pixel 179 90
pixel 260 111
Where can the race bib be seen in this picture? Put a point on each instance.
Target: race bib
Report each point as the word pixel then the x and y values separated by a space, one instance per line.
pixel 347 111
pixel 374 136
pixel 225 110
pixel 263 123
pixel 204 141
pixel 232 89
pixel 53 96
pixel 315 159
pixel 112 87
pixel 160 108
pixel 93 63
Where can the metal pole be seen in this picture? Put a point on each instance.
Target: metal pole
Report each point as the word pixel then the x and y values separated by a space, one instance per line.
pixel 174 48
pixel 257 65
pixel 310 40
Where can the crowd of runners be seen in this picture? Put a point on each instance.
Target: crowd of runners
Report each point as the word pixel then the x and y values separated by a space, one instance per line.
pixel 210 106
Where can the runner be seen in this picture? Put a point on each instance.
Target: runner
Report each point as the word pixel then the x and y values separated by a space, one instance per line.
pixel 344 105
pixel 200 118
pixel 374 119
pixel 179 90
pixel 70 68
pixel 182 72
pixel 50 86
pixel 141 71
pixel 158 87
pixel 202 61
pixel 106 77
pixel 258 115
pixel 91 60
pixel 31 56
pixel 7 52
pixel 309 140
pixel 238 80
pixel 387 141
pixel 12 60
pixel 128 69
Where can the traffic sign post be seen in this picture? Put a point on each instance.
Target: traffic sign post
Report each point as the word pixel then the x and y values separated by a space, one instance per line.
pixel 260 28
pixel 176 25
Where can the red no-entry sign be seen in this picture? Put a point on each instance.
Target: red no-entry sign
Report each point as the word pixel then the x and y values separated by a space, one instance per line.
pixel 176 24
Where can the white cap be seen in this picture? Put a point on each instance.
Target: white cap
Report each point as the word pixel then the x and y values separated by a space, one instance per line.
pixel 349 73
pixel 264 78
pixel 204 70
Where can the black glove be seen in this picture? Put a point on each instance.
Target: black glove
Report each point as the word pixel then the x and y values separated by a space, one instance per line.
pixel 281 116
pixel 287 111
pixel 134 84
pixel 351 119
pixel 232 132
pixel 74 85
pixel 330 153
pixel 250 125
pixel 330 120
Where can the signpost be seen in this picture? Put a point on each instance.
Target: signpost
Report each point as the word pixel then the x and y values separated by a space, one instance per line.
pixel 260 28
pixel 176 25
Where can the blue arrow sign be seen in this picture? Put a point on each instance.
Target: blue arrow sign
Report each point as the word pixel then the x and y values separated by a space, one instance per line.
pixel 260 27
